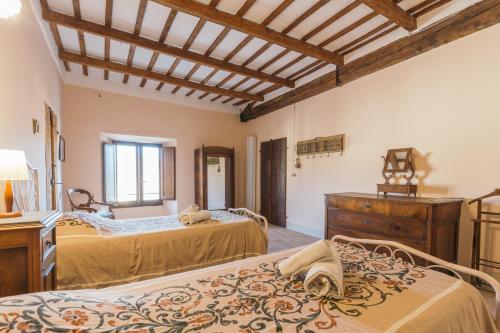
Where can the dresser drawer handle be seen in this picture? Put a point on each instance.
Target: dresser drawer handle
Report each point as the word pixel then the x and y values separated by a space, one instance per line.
pixel 367 205
pixel 367 222
pixel 396 227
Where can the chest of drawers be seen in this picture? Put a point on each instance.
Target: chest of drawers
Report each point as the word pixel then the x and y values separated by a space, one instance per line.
pixel 427 224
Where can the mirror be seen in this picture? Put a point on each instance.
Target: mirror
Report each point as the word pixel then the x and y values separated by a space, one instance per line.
pixel 214 178
pixel 216 183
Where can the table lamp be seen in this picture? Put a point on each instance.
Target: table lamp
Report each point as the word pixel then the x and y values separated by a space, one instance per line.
pixel 12 167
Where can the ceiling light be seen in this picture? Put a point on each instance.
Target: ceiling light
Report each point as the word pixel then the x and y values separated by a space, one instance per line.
pixel 9 8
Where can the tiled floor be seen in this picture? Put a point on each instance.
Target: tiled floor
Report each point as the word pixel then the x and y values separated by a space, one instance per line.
pixel 281 239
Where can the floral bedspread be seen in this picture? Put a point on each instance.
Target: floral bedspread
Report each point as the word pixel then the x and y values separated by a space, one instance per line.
pixel 381 295
pixel 109 227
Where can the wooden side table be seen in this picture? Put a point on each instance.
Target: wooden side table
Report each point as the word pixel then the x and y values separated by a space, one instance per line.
pixel 28 253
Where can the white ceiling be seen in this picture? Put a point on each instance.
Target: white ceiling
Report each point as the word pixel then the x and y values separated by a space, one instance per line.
pixel 124 16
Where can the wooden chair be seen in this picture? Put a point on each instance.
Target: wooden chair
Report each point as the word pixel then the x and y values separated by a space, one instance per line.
pixel 87 205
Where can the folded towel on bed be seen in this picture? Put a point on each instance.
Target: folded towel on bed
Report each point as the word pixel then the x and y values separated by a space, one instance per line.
pixel 195 217
pixel 325 279
pixel 299 263
pixel 320 265
pixel 191 208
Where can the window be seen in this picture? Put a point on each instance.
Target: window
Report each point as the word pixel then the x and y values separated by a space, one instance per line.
pixel 132 174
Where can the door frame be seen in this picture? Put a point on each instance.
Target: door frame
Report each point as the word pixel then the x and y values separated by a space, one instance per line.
pixel 51 165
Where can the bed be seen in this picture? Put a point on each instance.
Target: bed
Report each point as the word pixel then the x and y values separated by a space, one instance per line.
pixel 383 293
pixel 95 252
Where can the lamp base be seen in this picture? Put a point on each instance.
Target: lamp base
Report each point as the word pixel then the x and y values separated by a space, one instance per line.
pixel 9 200
pixel 10 215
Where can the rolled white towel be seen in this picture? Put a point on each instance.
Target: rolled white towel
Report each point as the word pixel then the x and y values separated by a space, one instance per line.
pixel 195 217
pixel 299 263
pixel 191 208
pixel 325 278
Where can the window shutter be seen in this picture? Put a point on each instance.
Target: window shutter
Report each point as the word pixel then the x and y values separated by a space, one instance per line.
pixel 168 173
pixel 110 190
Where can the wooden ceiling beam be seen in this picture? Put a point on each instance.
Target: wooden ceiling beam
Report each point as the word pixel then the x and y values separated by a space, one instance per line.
pixel 251 28
pixel 137 31
pixel 472 19
pixel 81 37
pixel 139 41
pixel 57 39
pixel 393 12
pixel 388 27
pixel 242 11
pixel 245 42
pixel 107 42
pixel 266 46
pixel 331 20
pixel 130 70
pixel 311 10
pixel 417 10
pixel 191 39
pixel 161 40
pixel 55 33
pixel 344 11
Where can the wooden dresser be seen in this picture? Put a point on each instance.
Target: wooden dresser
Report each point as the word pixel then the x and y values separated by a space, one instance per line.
pixel 28 253
pixel 429 225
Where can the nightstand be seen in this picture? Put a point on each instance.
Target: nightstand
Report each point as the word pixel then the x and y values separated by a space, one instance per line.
pixel 28 253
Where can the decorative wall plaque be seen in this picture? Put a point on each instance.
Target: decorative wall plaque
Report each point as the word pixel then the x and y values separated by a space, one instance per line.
pixel 398 161
pixel 321 145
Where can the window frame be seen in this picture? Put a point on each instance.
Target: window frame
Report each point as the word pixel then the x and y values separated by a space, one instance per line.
pixel 140 202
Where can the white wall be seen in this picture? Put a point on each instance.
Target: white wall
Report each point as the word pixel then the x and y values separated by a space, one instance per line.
pixel 29 79
pixel 444 103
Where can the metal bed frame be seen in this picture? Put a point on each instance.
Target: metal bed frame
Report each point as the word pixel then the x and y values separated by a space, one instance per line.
pixel 398 251
pixel 261 220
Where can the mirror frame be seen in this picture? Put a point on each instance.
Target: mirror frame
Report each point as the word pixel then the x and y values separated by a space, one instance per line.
pixel 201 171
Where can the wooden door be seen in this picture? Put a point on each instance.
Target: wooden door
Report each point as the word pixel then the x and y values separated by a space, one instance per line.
pixel 51 158
pixel 273 181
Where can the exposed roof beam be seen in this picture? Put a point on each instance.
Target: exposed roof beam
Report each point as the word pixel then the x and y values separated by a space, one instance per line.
pixel 276 12
pixel 55 34
pixel 57 38
pixel 137 31
pixel 130 70
pixel 393 12
pixel 242 11
pixel 474 18
pixel 381 30
pixel 190 40
pixel 251 28
pixel 266 46
pixel 161 40
pixel 341 13
pixel 417 11
pixel 107 42
pixel 81 37
pixel 122 36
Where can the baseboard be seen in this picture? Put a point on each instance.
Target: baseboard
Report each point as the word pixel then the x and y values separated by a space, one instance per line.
pixel 305 230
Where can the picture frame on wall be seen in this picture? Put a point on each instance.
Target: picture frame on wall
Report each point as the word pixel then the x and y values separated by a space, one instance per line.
pixel 62 149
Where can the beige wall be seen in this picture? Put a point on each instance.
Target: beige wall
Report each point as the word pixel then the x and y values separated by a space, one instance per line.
pixel 445 104
pixel 87 115
pixel 29 79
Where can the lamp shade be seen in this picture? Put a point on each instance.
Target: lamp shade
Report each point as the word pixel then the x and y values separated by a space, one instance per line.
pixel 9 8
pixel 13 165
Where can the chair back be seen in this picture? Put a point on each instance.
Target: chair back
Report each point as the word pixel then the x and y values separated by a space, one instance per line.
pixel 79 198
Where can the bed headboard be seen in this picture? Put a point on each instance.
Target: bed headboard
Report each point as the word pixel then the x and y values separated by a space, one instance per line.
pixel 26 192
